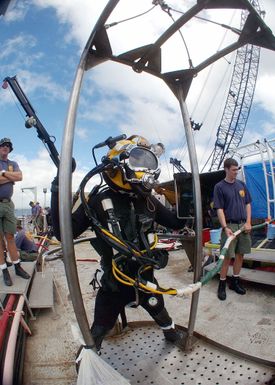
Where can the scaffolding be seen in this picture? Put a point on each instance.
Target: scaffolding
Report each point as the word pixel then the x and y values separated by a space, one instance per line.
pixel 262 151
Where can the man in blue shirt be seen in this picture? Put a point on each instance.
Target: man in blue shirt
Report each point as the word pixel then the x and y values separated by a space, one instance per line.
pixel 37 217
pixel 232 201
pixel 23 242
pixel 9 174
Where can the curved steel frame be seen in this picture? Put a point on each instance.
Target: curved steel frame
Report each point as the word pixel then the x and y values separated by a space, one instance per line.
pixel 239 100
pixel 147 59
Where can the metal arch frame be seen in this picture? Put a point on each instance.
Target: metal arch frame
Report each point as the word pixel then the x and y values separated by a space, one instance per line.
pixel 147 59
pixel 239 100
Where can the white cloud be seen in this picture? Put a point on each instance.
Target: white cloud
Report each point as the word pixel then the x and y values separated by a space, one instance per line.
pixel 32 82
pixel 13 45
pixel 36 83
pixel 39 172
pixel 16 11
pixel 265 92
pixel 81 132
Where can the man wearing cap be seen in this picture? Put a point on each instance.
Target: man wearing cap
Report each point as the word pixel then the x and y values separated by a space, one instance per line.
pixel 9 174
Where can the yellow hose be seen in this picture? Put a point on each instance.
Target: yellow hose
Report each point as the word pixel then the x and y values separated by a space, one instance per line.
pixel 131 282
pixel 137 253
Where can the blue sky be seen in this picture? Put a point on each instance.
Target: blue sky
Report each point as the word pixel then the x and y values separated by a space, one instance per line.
pixel 41 43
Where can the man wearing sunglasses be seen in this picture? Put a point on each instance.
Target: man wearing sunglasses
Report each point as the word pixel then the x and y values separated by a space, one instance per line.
pixel 9 174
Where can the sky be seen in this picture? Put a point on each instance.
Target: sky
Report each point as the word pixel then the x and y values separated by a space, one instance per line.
pixel 41 43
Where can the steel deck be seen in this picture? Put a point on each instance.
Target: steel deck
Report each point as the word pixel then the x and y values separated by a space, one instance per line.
pixel 143 357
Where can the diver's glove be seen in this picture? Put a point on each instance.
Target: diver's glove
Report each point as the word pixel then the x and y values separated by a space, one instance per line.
pixel 54 185
pixel 161 257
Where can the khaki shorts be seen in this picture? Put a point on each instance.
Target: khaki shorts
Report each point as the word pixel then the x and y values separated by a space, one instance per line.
pixel 8 220
pixel 240 245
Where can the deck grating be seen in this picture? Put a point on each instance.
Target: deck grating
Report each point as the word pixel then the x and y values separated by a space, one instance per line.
pixel 144 357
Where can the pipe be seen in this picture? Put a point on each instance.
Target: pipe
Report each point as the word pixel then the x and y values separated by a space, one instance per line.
pixel 10 351
pixel 5 318
pixel 65 182
pixel 198 212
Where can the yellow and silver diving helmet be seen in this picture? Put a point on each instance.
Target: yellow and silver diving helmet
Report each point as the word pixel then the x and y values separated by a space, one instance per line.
pixel 134 161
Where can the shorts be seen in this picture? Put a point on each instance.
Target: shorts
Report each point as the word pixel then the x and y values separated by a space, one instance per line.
pixel 240 245
pixel 8 220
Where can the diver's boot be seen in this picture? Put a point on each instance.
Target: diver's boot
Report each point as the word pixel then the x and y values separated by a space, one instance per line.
pixel 7 278
pixel 221 290
pixel 176 336
pixel 98 333
pixel 20 271
pixel 235 285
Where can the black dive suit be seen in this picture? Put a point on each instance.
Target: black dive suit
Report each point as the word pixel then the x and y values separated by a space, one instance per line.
pixel 136 217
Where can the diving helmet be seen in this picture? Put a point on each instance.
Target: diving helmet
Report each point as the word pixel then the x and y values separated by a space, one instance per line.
pixel 6 141
pixel 133 161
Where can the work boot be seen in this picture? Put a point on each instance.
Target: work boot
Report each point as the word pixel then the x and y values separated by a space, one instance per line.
pixel 20 271
pixel 235 285
pixel 7 278
pixel 221 290
pixel 175 336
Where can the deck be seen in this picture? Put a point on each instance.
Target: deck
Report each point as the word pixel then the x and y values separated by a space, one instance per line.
pixel 241 323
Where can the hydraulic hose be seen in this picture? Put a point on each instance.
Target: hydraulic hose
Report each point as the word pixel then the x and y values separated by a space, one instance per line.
pixel 210 274
pixel 10 351
pixel 5 318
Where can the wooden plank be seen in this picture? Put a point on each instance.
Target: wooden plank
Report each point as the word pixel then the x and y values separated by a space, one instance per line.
pixel 259 276
pixel 41 295
pixel 261 255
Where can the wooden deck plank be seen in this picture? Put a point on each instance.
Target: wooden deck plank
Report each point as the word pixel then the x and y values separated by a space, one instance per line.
pixel 259 276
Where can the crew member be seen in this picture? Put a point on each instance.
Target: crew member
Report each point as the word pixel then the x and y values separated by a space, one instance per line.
pixel 9 174
pixel 232 201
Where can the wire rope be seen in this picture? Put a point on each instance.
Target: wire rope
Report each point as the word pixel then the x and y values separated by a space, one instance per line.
pixel 129 18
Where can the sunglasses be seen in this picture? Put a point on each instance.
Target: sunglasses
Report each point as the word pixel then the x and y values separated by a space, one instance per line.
pixel 5 145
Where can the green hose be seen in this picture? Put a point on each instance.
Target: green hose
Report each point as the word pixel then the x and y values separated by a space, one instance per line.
pixel 216 269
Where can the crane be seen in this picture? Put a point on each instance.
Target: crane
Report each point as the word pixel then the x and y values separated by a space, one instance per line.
pixel 239 99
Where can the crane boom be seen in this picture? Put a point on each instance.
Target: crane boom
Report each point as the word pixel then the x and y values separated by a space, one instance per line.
pixel 33 120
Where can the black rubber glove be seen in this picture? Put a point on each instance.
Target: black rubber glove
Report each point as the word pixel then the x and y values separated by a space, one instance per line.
pixel 54 185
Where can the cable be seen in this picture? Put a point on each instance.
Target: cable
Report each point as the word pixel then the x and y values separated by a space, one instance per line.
pixel 129 18
pixel 20 112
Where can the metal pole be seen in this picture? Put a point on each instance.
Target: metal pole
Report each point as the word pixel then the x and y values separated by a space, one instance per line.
pixel 45 192
pixel 65 186
pixel 270 159
pixel 198 213
pixel 266 180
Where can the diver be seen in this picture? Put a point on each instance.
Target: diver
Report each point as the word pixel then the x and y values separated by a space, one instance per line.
pixel 122 213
